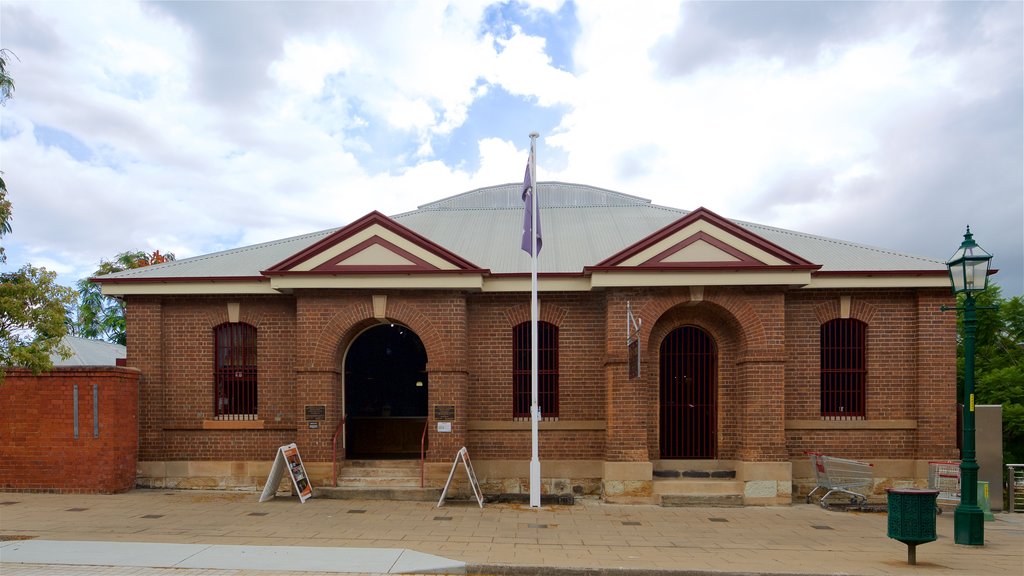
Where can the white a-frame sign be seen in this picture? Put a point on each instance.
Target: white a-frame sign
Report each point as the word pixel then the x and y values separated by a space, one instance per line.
pixel 288 459
pixel 463 454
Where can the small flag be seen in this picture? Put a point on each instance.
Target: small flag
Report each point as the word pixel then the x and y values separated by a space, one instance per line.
pixel 528 191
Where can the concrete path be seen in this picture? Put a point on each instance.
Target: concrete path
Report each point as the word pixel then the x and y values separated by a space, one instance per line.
pixel 203 533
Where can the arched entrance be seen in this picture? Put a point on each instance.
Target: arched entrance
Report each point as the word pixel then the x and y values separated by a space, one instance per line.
pixel 688 405
pixel 385 393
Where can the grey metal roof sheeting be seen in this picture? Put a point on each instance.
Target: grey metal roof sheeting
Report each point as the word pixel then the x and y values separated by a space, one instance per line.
pixel 582 225
pixel 88 352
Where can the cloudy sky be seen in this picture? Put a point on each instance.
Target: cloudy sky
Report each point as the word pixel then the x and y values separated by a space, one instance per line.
pixel 191 127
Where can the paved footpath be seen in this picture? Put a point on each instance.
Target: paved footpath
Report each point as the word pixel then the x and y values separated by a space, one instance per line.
pixel 204 533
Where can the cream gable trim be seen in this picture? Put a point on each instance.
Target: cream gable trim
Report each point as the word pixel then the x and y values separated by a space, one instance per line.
pixel 375 230
pixel 701 252
pixel 376 255
pixel 711 230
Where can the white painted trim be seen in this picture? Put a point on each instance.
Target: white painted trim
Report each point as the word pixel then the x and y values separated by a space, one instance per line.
pixel 405 281
pixel 820 282
pixel 187 288
pixel 632 278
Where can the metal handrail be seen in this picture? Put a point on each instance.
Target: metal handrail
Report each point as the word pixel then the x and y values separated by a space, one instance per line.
pixel 423 450
pixel 334 452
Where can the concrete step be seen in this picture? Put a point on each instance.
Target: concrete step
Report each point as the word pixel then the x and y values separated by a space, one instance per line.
pixel 348 472
pixel 697 486
pixel 701 500
pixel 403 463
pixel 379 493
pixel 380 482
pixel 698 491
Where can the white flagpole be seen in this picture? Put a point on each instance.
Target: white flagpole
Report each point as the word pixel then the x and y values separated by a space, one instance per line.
pixel 534 312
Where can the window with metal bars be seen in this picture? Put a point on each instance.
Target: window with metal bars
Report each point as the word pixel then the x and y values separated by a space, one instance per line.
pixel 843 369
pixel 547 370
pixel 235 391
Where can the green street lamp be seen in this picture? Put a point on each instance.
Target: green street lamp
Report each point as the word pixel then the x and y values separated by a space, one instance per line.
pixel 968 271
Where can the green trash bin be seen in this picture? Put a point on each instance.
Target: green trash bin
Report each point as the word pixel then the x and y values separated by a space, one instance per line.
pixel 912 517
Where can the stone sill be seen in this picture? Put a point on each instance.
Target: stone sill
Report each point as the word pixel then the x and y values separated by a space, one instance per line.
pixel 542 425
pixel 232 424
pixel 851 424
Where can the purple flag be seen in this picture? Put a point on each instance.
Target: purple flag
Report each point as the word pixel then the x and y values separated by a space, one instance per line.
pixel 528 191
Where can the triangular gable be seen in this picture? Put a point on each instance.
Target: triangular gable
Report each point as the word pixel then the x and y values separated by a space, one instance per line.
pixel 374 244
pixel 703 240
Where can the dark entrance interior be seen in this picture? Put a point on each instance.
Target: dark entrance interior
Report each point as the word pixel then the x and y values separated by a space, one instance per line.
pixel 688 383
pixel 385 393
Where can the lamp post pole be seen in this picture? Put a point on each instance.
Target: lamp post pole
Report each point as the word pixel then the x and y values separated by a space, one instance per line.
pixel 968 518
pixel 968 272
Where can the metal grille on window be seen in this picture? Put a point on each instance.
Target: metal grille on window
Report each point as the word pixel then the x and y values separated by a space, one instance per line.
pixel 547 370
pixel 843 369
pixel 235 390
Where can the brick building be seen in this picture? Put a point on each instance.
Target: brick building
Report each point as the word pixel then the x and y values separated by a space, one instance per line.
pixel 396 337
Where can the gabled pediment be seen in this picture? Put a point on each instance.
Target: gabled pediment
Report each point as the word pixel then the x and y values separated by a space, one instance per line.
pixel 703 240
pixel 374 244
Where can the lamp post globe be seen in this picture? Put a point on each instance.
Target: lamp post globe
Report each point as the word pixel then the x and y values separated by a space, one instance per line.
pixel 968 273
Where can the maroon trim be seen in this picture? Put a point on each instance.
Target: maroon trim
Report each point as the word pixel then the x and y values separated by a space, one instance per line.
pixel 744 259
pixel 361 224
pixel 544 274
pixel 714 219
pixel 702 267
pixel 393 270
pixel 333 265
pixel 881 273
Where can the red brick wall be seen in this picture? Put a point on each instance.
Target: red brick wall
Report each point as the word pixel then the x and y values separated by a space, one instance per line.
pixel 38 447
pixel 911 372
pixel 580 321
pixel 171 341
pixel 766 338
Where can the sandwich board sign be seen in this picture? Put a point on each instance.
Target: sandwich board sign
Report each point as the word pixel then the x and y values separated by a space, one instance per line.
pixel 288 460
pixel 463 454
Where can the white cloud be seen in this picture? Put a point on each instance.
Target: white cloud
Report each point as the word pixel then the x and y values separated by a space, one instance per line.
pixel 321 112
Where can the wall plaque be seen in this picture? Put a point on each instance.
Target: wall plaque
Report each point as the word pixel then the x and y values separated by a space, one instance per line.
pixel 444 412
pixel 316 412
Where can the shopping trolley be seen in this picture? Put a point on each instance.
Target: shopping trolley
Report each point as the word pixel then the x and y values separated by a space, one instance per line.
pixel 944 476
pixel 840 475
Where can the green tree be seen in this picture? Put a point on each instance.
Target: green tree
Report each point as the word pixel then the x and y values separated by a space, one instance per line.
pixel 6 91
pixel 99 316
pixel 32 304
pixel 999 364
pixel 32 325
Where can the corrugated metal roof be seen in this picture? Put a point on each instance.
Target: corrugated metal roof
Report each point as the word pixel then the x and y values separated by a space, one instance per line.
pixel 244 262
pixel 88 352
pixel 582 225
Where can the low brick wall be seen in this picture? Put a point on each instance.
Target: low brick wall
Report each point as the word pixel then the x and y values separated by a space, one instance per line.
pixel 39 449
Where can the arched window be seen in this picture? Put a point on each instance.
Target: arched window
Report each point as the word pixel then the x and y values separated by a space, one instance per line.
pixel 547 372
pixel 843 369
pixel 234 372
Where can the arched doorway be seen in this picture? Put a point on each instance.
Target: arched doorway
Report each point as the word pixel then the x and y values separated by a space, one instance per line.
pixel 688 405
pixel 385 393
